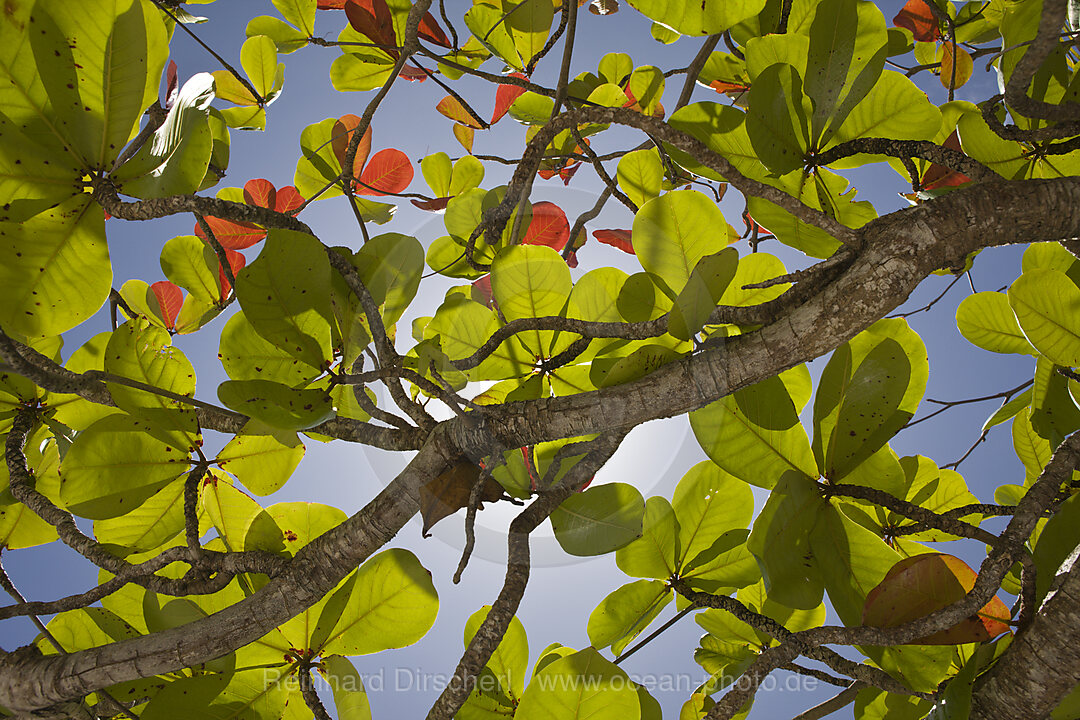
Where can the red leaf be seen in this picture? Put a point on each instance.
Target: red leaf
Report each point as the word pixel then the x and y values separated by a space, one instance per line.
pixel 236 262
pixel 568 172
pixel 482 292
pixel 330 5
pixel 917 17
pixel 549 226
pixel 939 176
pixel 615 238
pixel 429 30
pixel 452 108
pixel 373 19
pixel 571 261
pixel 170 299
pixel 919 585
pixel 413 73
pixel 172 86
pixel 389 172
pixel 232 235
pixel 433 204
pixel 526 452
pixel 505 97
pixel 339 142
pixel 288 199
pixel 260 193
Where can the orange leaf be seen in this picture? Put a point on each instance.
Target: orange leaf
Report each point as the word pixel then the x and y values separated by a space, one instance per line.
pixel 260 193
pixel 464 136
pixel 429 30
pixel 232 235
pixel 917 17
pixel 388 173
pixel 962 65
pixel 549 226
pixel 615 238
pixel 452 108
pixel 330 5
pixel 939 176
pixel 919 585
pixel 413 74
pixel 339 142
pixel 505 97
pixel 288 199
pixel 170 299
pixel 449 492
pixel 236 262
pixel 373 19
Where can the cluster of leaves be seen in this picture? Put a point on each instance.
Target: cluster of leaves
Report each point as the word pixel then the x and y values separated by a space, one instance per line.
pixel 114 433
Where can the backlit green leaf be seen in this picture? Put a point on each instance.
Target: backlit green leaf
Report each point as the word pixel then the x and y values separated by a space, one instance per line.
pixel 600 519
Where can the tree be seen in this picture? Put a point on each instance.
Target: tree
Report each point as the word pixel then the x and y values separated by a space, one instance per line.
pixel 203 591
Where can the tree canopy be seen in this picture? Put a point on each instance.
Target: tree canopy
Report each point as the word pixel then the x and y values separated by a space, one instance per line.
pixel 212 603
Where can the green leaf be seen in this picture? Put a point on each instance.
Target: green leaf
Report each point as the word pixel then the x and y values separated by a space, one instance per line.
pixel 258 57
pixel 275 404
pixel 708 503
pixel 240 522
pixel 54 269
pixel 392 604
pixel 301 13
pixel 655 553
pixel 245 355
pixel 624 613
pixel 1058 539
pixel 114 466
pixel 486 24
pixel 1047 305
pixel 755 433
pixel 350 697
pixel 852 560
pixel 600 519
pixel 780 541
pixel 100 66
pixel 390 266
pixel 527 23
pixel 20 527
pixel 778 118
pixel 1008 409
pixel 150 525
pixel 581 685
pixel 647 85
pixel 353 72
pixel 640 175
pixel 728 649
pixel 615 67
pixel 986 320
pixel 531 281
pixel 692 17
pixel 1034 451
pixel 847 50
pixel 174 160
pixel 508 663
pixel 870 388
pixel 608 372
pixel 261 458
pixel 191 264
pixel 703 290
pixel 437 172
pixel 285 294
pixel 532 108
pixel 286 38
pixel 143 353
pixel 894 108
pixel 673 232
